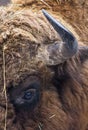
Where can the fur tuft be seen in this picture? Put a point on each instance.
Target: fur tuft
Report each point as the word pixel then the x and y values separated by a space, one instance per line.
pixel 46 2
pixel 23 2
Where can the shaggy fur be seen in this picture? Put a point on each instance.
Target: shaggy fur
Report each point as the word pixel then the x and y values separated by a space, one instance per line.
pixel 74 12
pixel 63 103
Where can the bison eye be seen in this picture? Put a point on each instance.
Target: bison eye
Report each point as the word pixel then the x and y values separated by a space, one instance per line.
pixel 28 95
pixel 25 96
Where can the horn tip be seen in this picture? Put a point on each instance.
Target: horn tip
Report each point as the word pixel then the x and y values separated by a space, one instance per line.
pixel 44 12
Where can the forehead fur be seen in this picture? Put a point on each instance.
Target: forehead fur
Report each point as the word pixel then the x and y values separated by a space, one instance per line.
pixel 33 26
pixel 21 33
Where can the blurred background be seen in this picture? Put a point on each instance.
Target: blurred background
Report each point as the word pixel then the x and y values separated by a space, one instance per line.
pixel 4 2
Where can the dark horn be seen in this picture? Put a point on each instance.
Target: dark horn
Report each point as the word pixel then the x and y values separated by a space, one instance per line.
pixel 64 33
pixel 59 52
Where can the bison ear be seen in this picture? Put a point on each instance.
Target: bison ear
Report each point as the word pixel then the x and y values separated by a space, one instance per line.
pixel 83 53
pixel 57 53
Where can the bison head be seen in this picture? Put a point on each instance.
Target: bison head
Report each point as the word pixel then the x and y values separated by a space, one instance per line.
pixel 44 85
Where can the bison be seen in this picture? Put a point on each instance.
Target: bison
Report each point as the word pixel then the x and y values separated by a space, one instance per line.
pixel 43 73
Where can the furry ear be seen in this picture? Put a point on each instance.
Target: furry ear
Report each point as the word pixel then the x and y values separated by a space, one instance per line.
pixel 83 51
pixel 23 2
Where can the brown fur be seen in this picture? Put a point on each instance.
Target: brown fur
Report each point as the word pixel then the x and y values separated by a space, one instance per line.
pixel 64 88
pixel 74 12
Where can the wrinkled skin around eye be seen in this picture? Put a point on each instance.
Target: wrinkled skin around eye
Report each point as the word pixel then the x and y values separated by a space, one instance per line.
pixel 25 95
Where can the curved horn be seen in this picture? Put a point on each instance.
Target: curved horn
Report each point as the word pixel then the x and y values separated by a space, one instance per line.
pixel 59 52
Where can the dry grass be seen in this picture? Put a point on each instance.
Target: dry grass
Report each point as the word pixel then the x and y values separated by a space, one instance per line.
pixel 4 87
pixel 45 3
